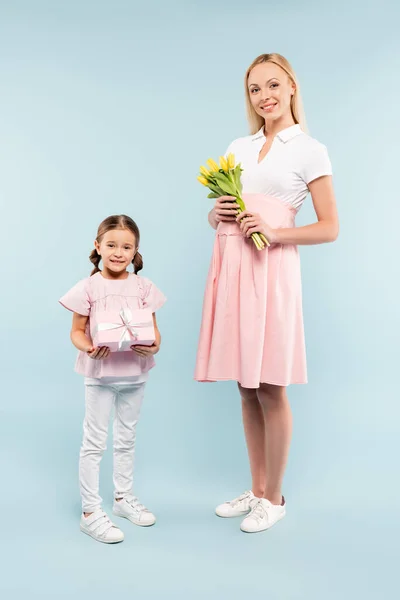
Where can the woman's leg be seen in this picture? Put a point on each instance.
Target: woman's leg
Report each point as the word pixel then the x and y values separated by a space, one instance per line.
pixel 278 431
pixel 254 429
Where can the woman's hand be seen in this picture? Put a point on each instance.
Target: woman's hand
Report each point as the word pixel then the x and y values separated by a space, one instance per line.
pixel 98 353
pixel 226 209
pixel 250 223
pixel 145 351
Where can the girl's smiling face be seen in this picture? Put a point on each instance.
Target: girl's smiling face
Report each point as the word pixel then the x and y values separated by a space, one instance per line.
pixel 117 249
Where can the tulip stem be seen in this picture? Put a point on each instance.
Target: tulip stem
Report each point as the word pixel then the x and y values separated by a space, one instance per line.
pixel 264 239
pixel 258 238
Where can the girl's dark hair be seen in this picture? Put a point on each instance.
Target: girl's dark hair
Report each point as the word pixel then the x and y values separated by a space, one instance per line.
pixel 117 222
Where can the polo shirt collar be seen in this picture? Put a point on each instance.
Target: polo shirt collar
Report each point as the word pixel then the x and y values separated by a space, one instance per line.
pixel 285 135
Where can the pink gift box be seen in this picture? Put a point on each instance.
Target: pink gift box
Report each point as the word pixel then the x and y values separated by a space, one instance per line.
pixel 121 330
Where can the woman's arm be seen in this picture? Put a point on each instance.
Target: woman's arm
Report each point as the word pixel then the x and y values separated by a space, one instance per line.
pixel 326 229
pixel 212 219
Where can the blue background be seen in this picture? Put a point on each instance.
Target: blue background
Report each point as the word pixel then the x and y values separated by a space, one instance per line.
pixel 110 107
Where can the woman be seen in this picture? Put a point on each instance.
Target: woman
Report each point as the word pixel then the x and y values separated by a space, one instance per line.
pixel 252 325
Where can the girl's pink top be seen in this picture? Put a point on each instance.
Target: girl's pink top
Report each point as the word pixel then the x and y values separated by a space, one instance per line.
pixel 97 293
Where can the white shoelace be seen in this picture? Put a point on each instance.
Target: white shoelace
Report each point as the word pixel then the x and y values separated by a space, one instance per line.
pixel 258 511
pixel 240 499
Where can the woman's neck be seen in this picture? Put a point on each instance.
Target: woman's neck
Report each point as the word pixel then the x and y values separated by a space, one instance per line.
pixel 271 128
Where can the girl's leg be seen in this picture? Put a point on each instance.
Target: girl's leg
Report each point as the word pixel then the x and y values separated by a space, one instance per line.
pixel 127 410
pixel 99 401
pixel 253 422
pixel 278 430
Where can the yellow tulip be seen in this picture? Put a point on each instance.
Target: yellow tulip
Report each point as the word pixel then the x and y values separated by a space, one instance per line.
pixel 213 165
pixel 202 180
pixel 224 163
pixel 205 171
pixel 231 161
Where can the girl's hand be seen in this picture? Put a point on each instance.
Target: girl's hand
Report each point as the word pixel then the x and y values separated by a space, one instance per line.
pixel 98 353
pixel 145 351
pixel 250 223
pixel 226 209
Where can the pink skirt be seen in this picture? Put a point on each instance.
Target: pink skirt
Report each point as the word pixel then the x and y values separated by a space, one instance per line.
pixel 252 324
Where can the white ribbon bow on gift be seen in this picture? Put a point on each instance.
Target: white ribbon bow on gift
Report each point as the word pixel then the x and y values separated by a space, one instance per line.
pixel 128 328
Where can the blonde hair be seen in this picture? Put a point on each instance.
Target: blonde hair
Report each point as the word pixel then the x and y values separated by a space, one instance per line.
pixel 296 103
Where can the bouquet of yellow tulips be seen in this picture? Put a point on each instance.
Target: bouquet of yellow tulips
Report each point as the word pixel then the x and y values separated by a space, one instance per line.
pixel 224 179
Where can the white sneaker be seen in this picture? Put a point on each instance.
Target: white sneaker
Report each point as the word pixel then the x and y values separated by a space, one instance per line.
pixel 130 508
pixel 263 515
pixel 99 526
pixel 237 507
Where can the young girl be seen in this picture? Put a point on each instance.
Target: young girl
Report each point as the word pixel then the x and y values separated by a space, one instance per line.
pixel 252 327
pixel 114 379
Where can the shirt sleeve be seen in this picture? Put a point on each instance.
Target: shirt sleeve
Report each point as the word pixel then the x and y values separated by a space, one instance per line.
pixel 230 149
pixel 317 163
pixel 152 298
pixel 77 299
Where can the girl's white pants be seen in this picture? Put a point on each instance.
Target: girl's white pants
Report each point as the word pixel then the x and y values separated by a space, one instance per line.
pixel 126 398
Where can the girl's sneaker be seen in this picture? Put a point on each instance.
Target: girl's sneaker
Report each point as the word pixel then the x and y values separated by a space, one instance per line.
pixel 263 515
pixel 99 526
pixel 130 508
pixel 238 507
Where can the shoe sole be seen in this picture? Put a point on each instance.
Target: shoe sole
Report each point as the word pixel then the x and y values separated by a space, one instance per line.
pixel 265 528
pixel 139 523
pixel 242 514
pixel 99 539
